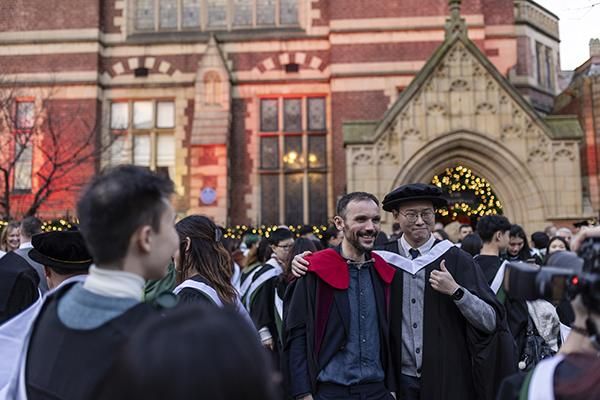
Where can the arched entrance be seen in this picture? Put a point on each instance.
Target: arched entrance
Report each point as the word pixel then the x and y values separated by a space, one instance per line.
pixel 469 196
pixel 523 200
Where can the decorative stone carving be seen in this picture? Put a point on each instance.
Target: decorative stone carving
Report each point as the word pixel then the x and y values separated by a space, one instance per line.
pixel 436 109
pixel 563 153
pixel 537 155
pixel 485 108
pixel 459 85
pixel 362 159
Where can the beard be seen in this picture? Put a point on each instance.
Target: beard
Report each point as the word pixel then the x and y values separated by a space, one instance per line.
pixel 353 239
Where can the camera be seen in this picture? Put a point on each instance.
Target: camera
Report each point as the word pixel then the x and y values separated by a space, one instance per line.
pixel 566 276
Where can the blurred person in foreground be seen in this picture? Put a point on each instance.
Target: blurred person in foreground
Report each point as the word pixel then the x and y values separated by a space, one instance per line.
pixel 574 373
pixel 31 226
pixel 65 260
pixel 127 222
pixel 190 353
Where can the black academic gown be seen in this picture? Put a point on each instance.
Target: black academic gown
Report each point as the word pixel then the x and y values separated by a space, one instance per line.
pixel 459 361
pixel 18 286
pixel 71 364
pixel 516 310
pixel 317 319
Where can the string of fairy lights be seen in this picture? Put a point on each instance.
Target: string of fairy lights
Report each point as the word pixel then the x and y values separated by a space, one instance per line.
pixel 462 179
pixel 459 179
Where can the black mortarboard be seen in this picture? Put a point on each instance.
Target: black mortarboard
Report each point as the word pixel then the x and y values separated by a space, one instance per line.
pixel 414 192
pixel 61 249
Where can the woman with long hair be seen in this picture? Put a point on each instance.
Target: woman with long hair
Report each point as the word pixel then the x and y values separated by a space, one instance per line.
pixel 203 266
pixel 518 247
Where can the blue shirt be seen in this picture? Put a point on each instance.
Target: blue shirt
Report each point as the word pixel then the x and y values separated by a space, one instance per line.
pixel 359 361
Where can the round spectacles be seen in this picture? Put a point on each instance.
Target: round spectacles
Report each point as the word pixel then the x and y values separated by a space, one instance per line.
pixel 412 217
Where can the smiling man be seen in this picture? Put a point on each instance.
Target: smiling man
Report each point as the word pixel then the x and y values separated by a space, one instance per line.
pixel 337 319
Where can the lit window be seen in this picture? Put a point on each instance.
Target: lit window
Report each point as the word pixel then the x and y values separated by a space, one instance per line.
pixel 23 165
pixel 293 160
pixel 149 140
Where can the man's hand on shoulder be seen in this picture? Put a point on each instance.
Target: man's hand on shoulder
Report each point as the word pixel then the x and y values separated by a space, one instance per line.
pixel 300 265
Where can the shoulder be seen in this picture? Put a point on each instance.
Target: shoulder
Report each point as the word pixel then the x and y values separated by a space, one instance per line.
pixel 191 295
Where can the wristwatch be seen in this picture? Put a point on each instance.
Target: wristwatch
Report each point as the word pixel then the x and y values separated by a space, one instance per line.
pixel 458 294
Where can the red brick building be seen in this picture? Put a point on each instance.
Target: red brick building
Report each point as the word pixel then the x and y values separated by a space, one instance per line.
pixel 242 102
pixel 582 98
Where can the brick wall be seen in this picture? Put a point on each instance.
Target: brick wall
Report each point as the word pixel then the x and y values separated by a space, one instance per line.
pixel 49 63
pixel 348 9
pixel 349 106
pixel 373 52
pixel 240 166
pixel 33 15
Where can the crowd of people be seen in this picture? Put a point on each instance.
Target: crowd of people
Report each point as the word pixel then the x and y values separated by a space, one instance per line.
pixel 134 304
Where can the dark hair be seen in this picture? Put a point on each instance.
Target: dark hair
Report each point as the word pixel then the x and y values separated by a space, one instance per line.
pixel 554 239
pixel 488 225
pixel 443 234
pixel 305 230
pixel 396 227
pixel 472 244
pixel 300 246
pixel 279 235
pixel 540 240
pixel 516 231
pixel 207 256
pixel 464 226
pixel 30 226
pixel 187 352
pixel 354 196
pixel 115 204
pixel 264 251
pixel 329 234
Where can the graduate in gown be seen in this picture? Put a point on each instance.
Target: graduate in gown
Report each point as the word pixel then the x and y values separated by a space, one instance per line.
pixel 336 318
pixel 494 232
pixel 449 333
pixel 204 267
pixel 18 286
pixel 260 297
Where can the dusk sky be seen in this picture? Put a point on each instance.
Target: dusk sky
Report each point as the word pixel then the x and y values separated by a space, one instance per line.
pixel 579 22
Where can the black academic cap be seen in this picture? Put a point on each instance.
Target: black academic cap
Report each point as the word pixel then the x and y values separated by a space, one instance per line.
pixel 413 192
pixel 579 224
pixel 61 249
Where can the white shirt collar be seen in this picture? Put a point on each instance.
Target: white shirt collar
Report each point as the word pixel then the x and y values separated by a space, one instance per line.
pixel 26 245
pixel 424 249
pixel 114 283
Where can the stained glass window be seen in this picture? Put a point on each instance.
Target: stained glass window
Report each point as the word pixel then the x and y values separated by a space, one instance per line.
pixel 317 192
pixel 190 13
pixel 144 15
pixel 292 115
pixel 293 157
pixel 217 13
pixel 25 114
pixel 288 12
pixel 168 14
pixel 265 12
pixel 269 185
pixel 269 152
pixel 317 151
pixel 294 199
pixel 316 114
pixel 242 12
pixel 269 115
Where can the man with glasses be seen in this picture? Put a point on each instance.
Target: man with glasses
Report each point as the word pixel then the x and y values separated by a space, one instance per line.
pixel 281 242
pixel 453 336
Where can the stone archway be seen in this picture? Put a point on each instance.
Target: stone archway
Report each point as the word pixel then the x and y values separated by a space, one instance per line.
pixel 522 197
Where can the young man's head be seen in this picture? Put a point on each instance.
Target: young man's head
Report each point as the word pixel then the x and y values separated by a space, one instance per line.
pixel 358 216
pixel 62 253
pixel 413 207
pixel 539 240
pixel 464 230
pixel 29 226
pixel 281 241
pixel 127 221
pixel 494 229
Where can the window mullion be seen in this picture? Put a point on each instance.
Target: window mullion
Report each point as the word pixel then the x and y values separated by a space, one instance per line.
pixel 156 15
